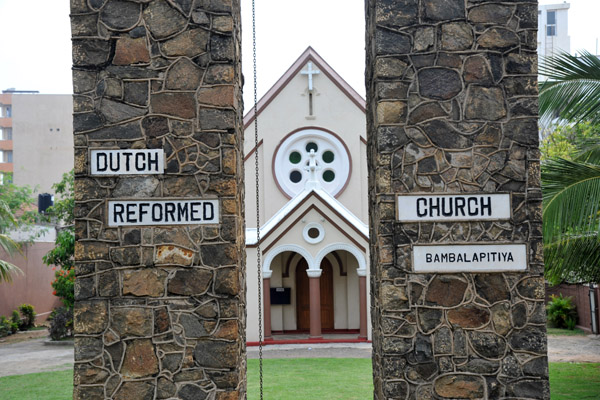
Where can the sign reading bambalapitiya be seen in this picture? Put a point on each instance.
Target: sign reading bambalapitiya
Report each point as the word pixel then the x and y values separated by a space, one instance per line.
pixel 127 162
pixel 163 212
pixel 456 207
pixel 462 257
pixel 470 257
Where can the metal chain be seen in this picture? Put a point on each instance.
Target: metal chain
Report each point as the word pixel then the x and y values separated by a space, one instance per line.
pixel 256 173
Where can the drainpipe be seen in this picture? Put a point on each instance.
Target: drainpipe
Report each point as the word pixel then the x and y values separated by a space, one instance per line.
pixel 593 308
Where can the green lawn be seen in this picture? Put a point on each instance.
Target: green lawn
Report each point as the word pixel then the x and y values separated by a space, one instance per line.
pixel 306 379
pixel 565 332
pixel 574 381
pixel 41 386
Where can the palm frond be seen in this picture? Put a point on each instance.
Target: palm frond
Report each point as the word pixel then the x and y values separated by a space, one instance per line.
pixel 574 259
pixel 571 196
pixel 573 89
pixel 588 150
pixel 6 271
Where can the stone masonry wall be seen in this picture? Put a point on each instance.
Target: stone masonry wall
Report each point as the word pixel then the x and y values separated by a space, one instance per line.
pixel 452 88
pixel 160 310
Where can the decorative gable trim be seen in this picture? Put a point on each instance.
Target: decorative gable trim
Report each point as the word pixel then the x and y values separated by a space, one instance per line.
pixel 309 55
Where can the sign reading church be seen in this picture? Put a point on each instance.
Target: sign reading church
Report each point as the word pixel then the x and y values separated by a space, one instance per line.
pixel 469 257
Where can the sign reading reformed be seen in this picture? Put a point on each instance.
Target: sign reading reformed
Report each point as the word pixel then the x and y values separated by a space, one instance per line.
pixel 470 258
pixel 127 162
pixel 457 207
pixel 163 212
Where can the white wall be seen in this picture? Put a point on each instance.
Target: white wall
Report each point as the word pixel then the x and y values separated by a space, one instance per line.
pixel 42 139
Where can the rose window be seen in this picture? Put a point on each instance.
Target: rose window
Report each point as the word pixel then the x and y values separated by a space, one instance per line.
pixel 293 156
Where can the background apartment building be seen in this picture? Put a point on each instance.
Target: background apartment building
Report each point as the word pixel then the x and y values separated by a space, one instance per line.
pixel 553 29
pixel 36 142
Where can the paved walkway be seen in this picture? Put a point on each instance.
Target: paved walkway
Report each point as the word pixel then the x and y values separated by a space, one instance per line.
pixel 34 356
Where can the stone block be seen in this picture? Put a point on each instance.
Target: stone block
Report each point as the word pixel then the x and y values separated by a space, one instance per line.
pixel 140 359
pixel 131 51
pixel 216 354
pixel 90 317
pixel 144 282
pixel 163 20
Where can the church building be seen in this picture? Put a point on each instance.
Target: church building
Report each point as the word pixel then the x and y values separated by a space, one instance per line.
pixel 312 167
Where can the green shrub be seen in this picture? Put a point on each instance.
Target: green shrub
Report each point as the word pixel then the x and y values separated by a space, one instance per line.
pixel 5 328
pixel 27 317
pixel 561 311
pixel 16 318
pixel 61 323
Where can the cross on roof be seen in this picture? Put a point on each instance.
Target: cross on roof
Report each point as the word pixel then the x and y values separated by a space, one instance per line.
pixel 310 72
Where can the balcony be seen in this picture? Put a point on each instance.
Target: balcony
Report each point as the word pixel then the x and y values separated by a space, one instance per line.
pixel 6 144
pixel 6 167
pixel 5 122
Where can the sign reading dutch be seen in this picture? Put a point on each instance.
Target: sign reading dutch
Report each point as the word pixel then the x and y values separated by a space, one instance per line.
pixel 127 162
pixel 462 257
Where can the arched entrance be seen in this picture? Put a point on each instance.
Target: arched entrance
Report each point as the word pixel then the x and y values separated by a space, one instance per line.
pixel 303 296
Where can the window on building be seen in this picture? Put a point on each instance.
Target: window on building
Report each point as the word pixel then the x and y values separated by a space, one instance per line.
pixel 5 133
pixel 6 156
pixel 551 23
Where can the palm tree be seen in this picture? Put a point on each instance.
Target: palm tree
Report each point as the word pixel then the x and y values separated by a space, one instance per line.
pixel 571 188
pixel 572 90
pixel 7 244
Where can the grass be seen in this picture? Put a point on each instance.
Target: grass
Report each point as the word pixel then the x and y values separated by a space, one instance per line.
pixel 574 381
pixel 565 332
pixel 40 386
pixel 306 379
pixel 312 378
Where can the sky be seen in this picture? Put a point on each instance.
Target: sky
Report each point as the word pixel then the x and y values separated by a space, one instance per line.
pixel 35 53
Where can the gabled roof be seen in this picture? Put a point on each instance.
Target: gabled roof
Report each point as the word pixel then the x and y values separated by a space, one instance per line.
pixel 309 55
pixel 330 202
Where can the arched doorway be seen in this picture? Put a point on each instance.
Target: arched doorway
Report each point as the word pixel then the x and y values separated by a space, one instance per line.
pixel 303 296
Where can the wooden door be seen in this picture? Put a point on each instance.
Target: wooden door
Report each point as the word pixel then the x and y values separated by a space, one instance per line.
pixel 302 297
pixel 326 295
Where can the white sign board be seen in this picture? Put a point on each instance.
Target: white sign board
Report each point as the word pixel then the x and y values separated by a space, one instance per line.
pixel 470 258
pixel 163 212
pixel 457 207
pixel 127 162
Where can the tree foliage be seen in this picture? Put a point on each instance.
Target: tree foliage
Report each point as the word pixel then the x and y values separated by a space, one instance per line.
pixel 6 243
pixel 61 256
pixel 571 168
pixel 571 196
pixel 565 141
pixel 572 90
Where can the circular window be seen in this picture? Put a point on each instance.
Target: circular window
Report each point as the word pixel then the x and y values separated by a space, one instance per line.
pixel 312 146
pixel 313 233
pixel 295 176
pixel 328 157
pixel 328 176
pixel 293 157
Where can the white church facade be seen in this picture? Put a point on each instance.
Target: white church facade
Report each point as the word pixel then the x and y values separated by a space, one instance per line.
pixel 313 207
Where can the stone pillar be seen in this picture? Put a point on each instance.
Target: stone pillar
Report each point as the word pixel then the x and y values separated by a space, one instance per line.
pixel 314 288
pixel 362 290
pixel 452 109
pixel 267 304
pixel 159 253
